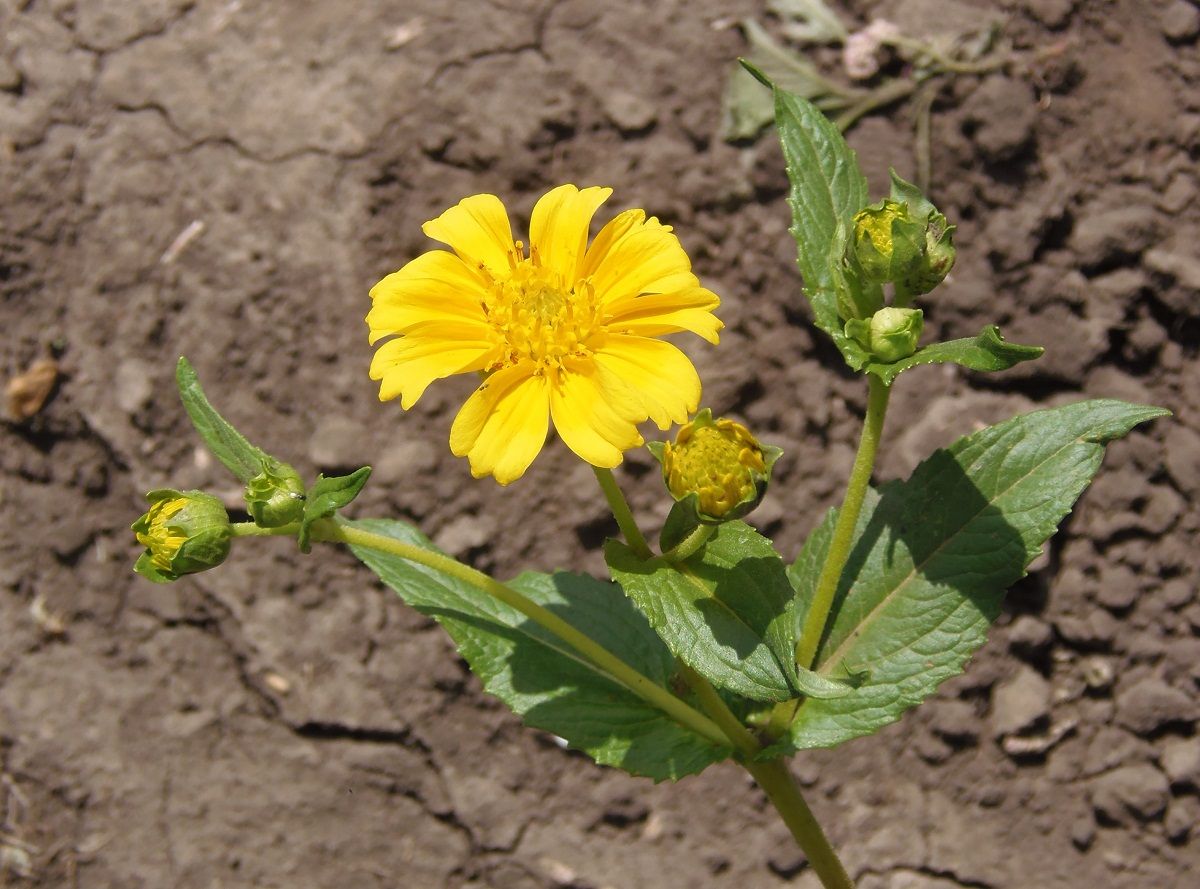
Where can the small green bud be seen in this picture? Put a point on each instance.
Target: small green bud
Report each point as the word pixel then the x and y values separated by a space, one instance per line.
pixel 890 334
pixel 893 244
pixel 275 497
pixel 184 532
pixel 719 466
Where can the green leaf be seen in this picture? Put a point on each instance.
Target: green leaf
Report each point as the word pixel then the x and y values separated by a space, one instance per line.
pixel 543 679
pixel 227 444
pixel 327 496
pixel 827 189
pixel 725 611
pixel 934 555
pixel 986 352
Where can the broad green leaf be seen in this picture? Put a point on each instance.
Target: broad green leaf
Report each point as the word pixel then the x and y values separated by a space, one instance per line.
pixel 986 352
pixel 543 679
pixel 827 189
pixel 725 611
pixel 227 444
pixel 327 496
pixel 934 555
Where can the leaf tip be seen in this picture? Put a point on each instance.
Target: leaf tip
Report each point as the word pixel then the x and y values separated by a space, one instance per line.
pixel 756 72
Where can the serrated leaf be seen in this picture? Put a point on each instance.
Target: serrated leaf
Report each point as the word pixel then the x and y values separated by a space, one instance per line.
pixel 934 555
pixel 827 189
pixel 327 496
pixel 227 444
pixel 725 611
pixel 543 679
pixel 987 352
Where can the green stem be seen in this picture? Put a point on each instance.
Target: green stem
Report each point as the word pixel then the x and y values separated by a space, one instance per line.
pixel 843 530
pixel 640 685
pixel 690 544
pixel 779 785
pixel 774 778
pixel 621 512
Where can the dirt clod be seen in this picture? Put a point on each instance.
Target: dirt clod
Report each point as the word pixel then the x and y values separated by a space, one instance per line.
pixel 1152 704
pixel 1137 791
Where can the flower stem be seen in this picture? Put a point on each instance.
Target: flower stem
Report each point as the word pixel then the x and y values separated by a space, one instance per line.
pixel 640 685
pixel 843 532
pixel 691 544
pixel 779 785
pixel 621 512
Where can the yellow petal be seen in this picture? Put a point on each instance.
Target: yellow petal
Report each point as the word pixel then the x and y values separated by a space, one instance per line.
pixel 633 255
pixel 477 229
pixel 596 413
pixel 558 229
pixel 661 374
pixel 656 314
pixel 502 427
pixel 407 365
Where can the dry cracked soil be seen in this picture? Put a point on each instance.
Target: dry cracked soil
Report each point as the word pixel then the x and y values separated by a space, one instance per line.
pixel 225 179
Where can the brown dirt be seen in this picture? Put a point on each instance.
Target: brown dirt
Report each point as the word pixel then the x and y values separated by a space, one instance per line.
pixel 226 180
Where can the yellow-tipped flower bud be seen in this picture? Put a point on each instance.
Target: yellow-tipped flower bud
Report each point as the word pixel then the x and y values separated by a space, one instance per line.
pixel 892 244
pixel 718 465
pixel 890 334
pixel 275 497
pixel 184 532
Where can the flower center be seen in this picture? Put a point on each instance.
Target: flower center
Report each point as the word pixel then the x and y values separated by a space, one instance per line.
pixel 537 316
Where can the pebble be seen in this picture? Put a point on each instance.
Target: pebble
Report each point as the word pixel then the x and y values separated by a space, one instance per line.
pixel 1104 237
pixel 1140 791
pixel 630 112
pixel 1020 703
pixel 1151 704
pixel 1097 673
pixel 1181 761
pixel 1180 21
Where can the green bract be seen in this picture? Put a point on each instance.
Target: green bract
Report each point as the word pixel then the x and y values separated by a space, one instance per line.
pixel 275 497
pixel 890 334
pixel 184 532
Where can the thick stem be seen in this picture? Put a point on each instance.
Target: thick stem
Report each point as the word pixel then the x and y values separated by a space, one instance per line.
pixel 606 661
pixel 621 512
pixel 691 544
pixel 843 530
pixel 775 779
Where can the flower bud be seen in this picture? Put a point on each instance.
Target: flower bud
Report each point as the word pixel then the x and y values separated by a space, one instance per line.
pixel 890 334
pixel 893 244
pixel 183 532
pixel 719 466
pixel 275 497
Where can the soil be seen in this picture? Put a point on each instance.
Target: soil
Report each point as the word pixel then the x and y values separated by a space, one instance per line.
pixel 226 180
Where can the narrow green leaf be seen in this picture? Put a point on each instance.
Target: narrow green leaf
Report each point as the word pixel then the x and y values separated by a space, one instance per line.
pixel 986 352
pixel 227 444
pixel 935 554
pixel 327 496
pixel 725 611
pixel 543 679
pixel 827 189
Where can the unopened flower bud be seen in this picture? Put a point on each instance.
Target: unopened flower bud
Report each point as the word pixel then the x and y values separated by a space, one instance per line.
pixel 718 465
pixel 890 334
pixel 275 497
pixel 184 532
pixel 895 245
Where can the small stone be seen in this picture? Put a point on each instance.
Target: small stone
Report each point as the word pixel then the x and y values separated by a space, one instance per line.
pixel 1097 673
pixel 132 387
pixel 1181 761
pixel 1020 703
pixel 1083 832
pixel 1105 237
pixel 630 112
pixel 1029 637
pixel 1180 22
pixel 1140 791
pixel 1152 704
pixel 1182 815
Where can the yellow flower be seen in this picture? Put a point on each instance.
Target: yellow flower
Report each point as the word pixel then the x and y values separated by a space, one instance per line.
pixel 161 539
pixel 566 332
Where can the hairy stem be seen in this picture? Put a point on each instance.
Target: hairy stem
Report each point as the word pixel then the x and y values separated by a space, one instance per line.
pixel 621 512
pixel 843 531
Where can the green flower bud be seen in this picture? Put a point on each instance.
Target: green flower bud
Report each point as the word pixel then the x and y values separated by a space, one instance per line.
pixel 718 466
pixel 890 334
pixel 184 532
pixel 893 244
pixel 275 497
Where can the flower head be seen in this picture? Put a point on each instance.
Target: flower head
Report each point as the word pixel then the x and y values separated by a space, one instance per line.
pixel 718 465
pixel 183 532
pixel 562 331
